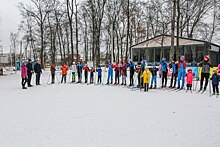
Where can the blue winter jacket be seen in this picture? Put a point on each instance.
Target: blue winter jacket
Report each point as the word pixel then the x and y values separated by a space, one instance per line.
pixel 164 66
pixel 215 79
pixel 99 72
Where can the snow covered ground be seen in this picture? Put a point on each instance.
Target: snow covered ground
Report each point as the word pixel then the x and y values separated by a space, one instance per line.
pixel 73 115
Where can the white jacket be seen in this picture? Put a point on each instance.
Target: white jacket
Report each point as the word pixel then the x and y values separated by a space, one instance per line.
pixel 73 68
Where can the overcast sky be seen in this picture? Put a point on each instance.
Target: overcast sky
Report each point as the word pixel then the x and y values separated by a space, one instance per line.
pixel 10 19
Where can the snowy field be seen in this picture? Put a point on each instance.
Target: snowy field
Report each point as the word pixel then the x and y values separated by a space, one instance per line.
pixel 73 115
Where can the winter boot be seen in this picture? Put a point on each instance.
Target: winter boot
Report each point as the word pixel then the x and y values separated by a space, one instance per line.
pixel 151 87
pixel 24 88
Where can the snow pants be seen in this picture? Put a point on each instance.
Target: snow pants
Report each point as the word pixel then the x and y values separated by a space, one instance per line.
pixel 181 76
pixel 206 77
pixel 110 76
pixel 154 80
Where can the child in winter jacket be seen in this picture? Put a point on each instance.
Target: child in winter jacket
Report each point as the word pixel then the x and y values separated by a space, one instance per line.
pixel 73 68
pixel 91 70
pixel 215 82
pixel 86 70
pixel 99 70
pixel 24 75
pixel 64 70
pixel 124 74
pixel 154 71
pixel 146 77
pixel 189 79
pixel 52 70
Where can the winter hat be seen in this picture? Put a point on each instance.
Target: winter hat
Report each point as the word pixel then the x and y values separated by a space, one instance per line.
pixel 164 59
pixel 182 58
pixel 143 61
pixel 206 57
pixel 189 69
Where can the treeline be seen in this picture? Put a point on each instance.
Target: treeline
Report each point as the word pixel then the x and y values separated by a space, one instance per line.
pixel 98 30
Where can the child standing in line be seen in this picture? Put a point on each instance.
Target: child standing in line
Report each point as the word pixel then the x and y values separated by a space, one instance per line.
pixel 215 82
pixel 146 77
pixel 99 70
pixel 73 68
pixel 154 77
pixel 52 70
pixel 189 80
pixel 124 74
pixel 91 75
pixel 86 70
pixel 64 70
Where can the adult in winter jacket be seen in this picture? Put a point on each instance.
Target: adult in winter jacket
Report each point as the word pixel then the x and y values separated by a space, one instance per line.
pixel 154 71
pixel 53 71
pixel 215 82
pixel 24 75
pixel 38 72
pixel 181 72
pixel 142 69
pixel 79 71
pixel 164 72
pixel 73 69
pixel 205 73
pixel 117 73
pixel 189 79
pixel 138 71
pixel 131 66
pixel 146 77
pixel 174 66
pixel 110 67
pixel 64 70
pixel 30 72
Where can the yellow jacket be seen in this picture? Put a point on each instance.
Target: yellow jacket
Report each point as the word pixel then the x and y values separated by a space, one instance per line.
pixel 146 76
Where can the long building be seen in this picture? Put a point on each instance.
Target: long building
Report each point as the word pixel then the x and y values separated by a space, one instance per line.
pixel 194 50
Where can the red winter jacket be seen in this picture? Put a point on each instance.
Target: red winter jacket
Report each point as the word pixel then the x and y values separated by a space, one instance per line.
pixel 124 70
pixel 85 68
pixel 189 77
pixel 117 67
pixel 111 64
pixel 91 70
pixel 184 64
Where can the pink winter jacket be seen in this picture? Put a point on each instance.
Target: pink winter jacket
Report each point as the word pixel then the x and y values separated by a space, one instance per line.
pixel 23 71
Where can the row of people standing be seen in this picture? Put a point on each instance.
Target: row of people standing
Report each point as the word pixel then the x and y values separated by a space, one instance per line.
pixel 178 69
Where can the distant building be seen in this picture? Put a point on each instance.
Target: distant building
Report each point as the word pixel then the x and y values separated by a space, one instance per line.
pixel 155 48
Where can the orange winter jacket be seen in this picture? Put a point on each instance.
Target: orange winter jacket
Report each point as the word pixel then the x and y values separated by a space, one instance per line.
pixel 64 70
